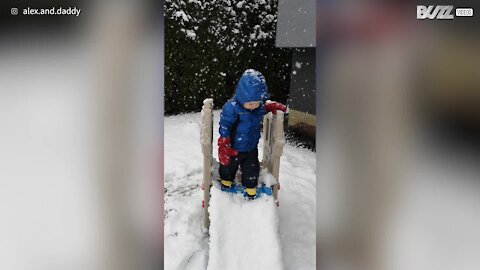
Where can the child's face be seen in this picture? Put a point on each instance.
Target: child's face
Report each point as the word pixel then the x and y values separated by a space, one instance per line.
pixel 251 105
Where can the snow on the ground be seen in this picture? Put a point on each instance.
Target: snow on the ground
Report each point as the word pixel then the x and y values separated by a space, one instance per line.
pixel 186 247
pixel 243 231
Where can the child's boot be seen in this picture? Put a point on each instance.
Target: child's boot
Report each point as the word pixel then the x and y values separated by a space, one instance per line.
pixel 226 184
pixel 251 193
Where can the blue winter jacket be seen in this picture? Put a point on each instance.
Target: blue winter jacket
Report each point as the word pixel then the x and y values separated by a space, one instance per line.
pixel 243 126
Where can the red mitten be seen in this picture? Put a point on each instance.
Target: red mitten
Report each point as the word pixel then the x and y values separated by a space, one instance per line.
pixel 225 151
pixel 272 106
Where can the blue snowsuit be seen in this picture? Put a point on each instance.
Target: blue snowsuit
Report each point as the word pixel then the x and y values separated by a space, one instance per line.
pixel 243 126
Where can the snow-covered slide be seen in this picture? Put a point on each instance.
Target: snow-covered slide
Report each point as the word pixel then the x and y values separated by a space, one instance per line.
pixel 243 233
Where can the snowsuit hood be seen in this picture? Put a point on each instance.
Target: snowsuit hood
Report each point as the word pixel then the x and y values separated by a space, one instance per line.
pixel 251 87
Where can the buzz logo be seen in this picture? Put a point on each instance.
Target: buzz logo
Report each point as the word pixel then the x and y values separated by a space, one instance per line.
pixel 434 12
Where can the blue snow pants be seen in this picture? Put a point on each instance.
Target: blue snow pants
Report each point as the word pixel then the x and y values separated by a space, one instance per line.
pixel 249 165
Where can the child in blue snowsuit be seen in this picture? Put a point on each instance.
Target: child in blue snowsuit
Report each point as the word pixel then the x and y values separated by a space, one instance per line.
pixel 240 126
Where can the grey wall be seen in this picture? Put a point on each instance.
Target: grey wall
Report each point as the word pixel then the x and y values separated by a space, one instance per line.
pixel 296 23
pixel 302 82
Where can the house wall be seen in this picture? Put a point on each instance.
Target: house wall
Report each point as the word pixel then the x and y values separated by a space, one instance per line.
pixel 302 82
pixel 296 23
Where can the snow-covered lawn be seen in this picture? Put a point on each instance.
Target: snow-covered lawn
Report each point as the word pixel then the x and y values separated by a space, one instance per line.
pixel 186 246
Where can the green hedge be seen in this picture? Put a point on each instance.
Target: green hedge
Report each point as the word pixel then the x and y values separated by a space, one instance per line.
pixel 209 44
